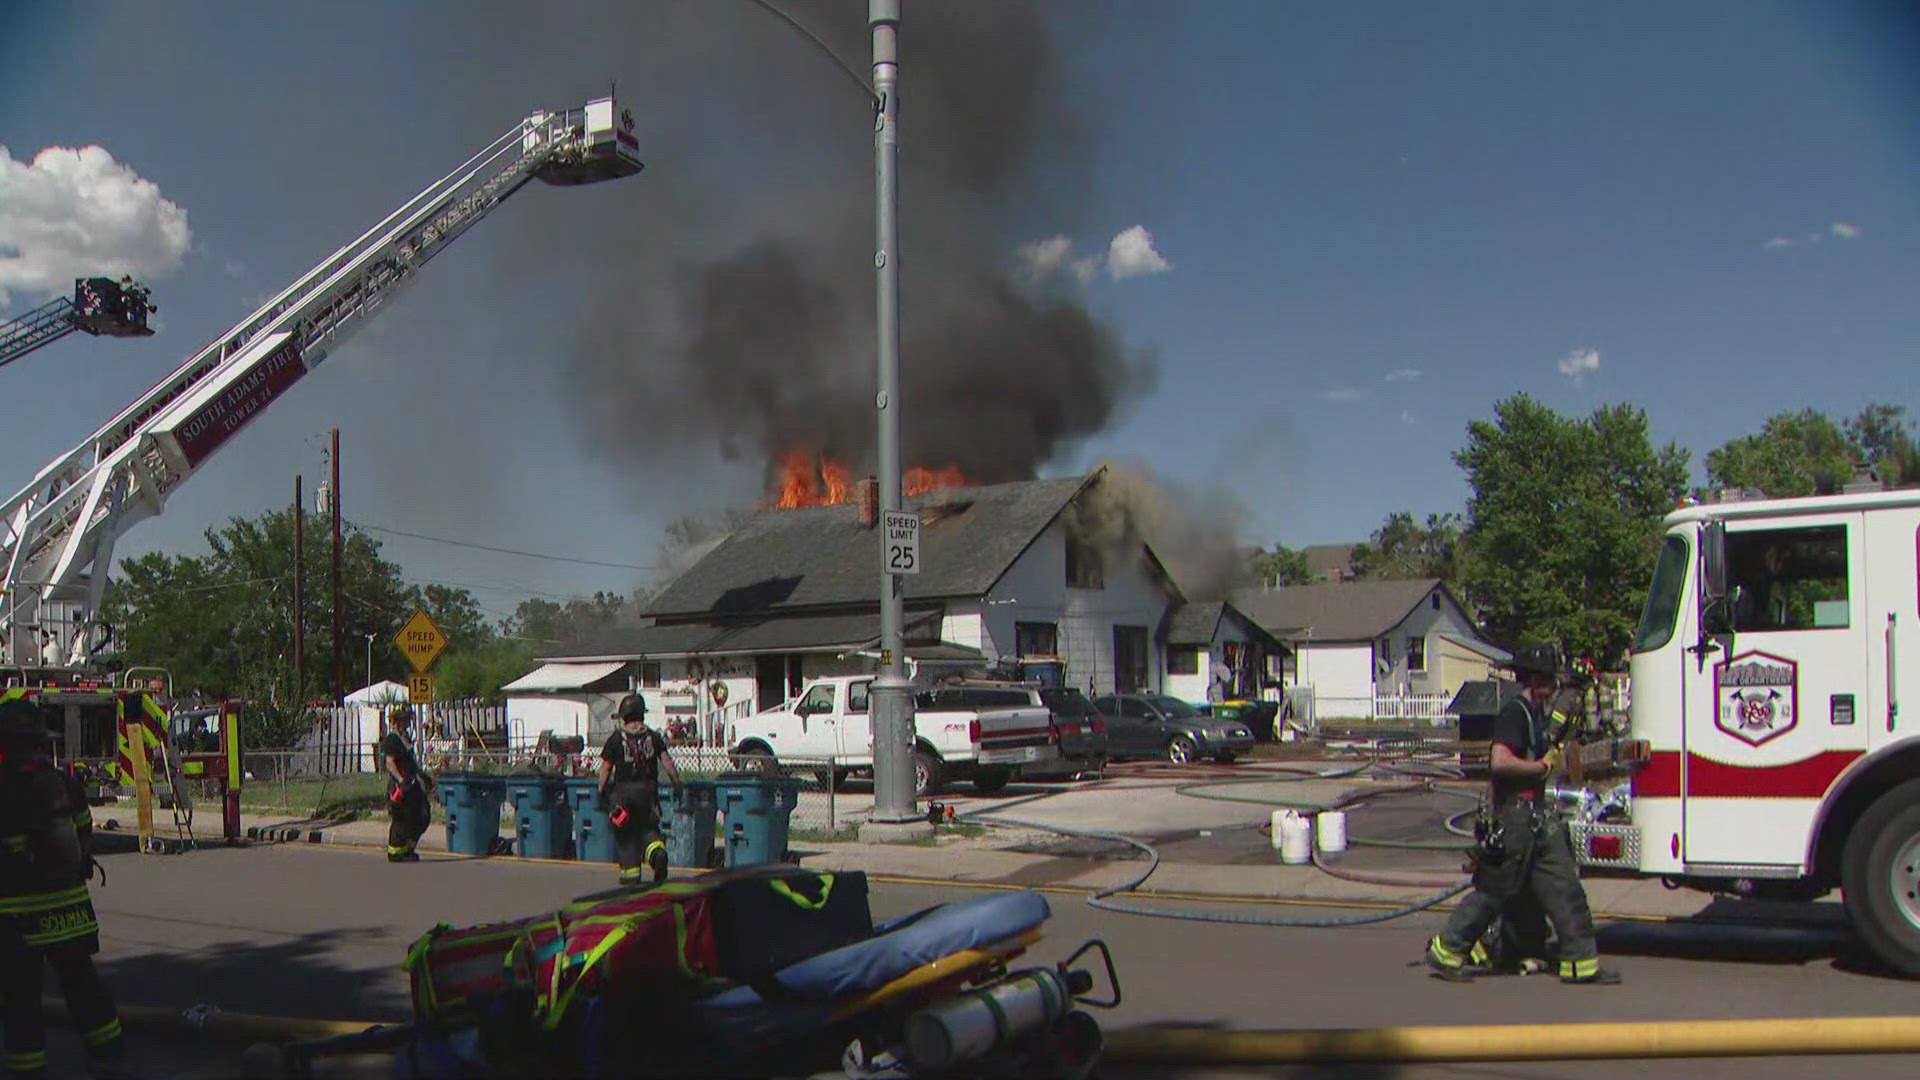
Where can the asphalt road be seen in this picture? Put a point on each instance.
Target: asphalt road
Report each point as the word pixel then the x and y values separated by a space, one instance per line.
pixel 320 931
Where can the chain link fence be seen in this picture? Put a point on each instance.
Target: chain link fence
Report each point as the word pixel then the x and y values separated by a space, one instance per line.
pixel 302 783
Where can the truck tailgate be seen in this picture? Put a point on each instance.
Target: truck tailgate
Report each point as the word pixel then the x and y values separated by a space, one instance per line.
pixel 1017 736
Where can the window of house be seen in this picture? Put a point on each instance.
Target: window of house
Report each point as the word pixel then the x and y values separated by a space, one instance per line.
pixel 1789 579
pixel 650 675
pixel 1036 639
pixel 1084 567
pixel 1129 659
pixel 1416 654
pixel 1183 661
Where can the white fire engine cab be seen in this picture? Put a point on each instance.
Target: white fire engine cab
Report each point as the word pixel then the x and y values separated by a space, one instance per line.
pixel 1766 678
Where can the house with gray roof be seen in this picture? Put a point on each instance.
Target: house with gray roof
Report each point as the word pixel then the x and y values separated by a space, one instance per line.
pixel 1215 652
pixel 1008 572
pixel 1357 639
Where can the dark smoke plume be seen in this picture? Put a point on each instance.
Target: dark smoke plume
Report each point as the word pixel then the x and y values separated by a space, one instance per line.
pixel 759 335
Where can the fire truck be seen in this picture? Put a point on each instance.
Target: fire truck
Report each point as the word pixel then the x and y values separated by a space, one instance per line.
pixel 1766 674
pixel 57 533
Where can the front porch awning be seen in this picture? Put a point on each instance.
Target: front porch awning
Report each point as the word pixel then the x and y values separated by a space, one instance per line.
pixel 563 676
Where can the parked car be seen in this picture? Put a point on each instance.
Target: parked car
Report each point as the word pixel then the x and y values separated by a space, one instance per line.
pixel 1073 741
pixel 1155 725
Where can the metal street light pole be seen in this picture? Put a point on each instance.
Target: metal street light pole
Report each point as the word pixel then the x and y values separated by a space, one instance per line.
pixel 892 698
pixel 369 660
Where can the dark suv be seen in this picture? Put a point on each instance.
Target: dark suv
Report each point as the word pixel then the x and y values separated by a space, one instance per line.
pixel 1155 725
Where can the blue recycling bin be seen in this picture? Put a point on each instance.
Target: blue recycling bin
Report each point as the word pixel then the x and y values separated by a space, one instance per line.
pixel 758 809
pixel 543 822
pixel 687 824
pixel 473 806
pixel 592 832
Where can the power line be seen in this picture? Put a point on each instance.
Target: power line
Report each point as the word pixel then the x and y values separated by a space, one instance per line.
pixel 859 80
pixel 503 551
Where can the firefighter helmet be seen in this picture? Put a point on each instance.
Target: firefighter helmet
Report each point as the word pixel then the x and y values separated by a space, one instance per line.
pixel 19 720
pixel 1541 659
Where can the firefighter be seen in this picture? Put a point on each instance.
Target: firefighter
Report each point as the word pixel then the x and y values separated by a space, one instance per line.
pixel 1526 853
pixel 46 916
pixel 630 766
pixel 408 811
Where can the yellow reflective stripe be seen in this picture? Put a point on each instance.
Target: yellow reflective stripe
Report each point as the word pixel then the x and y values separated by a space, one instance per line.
pixel 557 999
pixel 103 1034
pixel 826 890
pixel 55 937
pixel 15 905
pixel 193 768
pixel 1444 953
pixel 1579 969
pixel 15 843
pixel 416 953
pixel 26 1060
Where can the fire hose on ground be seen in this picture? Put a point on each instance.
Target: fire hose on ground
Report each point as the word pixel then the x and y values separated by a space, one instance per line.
pixel 1423 781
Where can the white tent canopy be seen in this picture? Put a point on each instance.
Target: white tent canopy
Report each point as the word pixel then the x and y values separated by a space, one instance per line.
pixel 562 676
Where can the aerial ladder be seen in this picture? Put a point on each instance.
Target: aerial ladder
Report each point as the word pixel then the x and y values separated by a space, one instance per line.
pixel 99 306
pixel 57 534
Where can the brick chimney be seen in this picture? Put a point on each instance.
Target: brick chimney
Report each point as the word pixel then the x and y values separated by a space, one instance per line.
pixel 869 501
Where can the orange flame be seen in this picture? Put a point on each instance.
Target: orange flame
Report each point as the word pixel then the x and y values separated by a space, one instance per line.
pixel 808 481
pixel 919 481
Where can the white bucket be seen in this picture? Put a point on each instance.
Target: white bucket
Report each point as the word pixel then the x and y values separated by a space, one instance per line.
pixel 1275 829
pixel 1296 839
pixel 1333 830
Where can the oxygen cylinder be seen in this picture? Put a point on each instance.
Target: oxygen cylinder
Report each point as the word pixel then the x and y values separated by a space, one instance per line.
pixel 1332 830
pixel 972 1024
pixel 1296 840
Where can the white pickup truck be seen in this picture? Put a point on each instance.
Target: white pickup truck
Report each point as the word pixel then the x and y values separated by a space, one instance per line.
pixel 828 729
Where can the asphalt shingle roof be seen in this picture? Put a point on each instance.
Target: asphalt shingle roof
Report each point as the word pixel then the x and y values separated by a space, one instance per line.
pixel 1194 624
pixel 780 634
pixel 1349 611
pixel 820 556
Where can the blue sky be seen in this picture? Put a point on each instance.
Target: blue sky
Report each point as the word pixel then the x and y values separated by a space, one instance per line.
pixel 1377 219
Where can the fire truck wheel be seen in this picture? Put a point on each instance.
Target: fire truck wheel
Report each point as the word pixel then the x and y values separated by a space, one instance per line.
pixel 1881 878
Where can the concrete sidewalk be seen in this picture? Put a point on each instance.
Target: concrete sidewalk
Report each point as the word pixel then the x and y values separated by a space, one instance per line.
pixel 983 861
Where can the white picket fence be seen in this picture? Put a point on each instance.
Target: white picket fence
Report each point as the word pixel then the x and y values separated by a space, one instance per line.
pixel 342 736
pixel 1426 708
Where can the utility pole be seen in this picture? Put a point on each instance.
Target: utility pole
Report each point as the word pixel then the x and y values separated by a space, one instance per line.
pixel 892 704
pixel 333 499
pixel 299 597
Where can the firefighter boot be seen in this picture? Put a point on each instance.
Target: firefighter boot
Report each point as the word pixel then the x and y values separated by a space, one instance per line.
pixel 657 861
pixel 1587 972
pixel 1456 965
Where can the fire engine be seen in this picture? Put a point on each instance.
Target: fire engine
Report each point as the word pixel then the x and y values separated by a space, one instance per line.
pixel 1766 673
pixel 57 533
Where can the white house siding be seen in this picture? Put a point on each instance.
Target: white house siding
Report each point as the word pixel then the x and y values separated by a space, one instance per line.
pixel 563 714
pixel 1034 589
pixel 1341 676
pixel 962 625
pixel 1189 687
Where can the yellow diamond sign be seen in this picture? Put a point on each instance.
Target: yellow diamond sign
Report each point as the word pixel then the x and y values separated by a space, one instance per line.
pixel 421 641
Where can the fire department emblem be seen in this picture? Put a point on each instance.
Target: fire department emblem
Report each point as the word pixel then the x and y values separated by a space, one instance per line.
pixel 1758 697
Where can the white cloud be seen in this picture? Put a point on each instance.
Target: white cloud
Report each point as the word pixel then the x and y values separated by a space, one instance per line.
pixel 1132 254
pixel 1405 374
pixel 1343 393
pixel 1580 363
pixel 1406 416
pixel 1844 231
pixel 1779 242
pixel 75 213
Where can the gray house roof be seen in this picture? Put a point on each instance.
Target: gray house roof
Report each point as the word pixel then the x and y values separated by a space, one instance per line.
pixel 1348 611
pixel 1196 624
pixel 782 560
pixel 1329 562
pixel 784 633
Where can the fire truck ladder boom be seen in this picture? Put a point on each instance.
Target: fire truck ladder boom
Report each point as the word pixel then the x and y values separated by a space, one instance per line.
pixel 98 306
pixel 57 534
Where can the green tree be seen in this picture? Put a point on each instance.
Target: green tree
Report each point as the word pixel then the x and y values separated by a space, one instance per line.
pixel 1881 436
pixel 480 671
pixel 1564 522
pixel 1401 549
pixel 222 623
pixel 1794 454
pixel 547 625
pixel 1280 566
